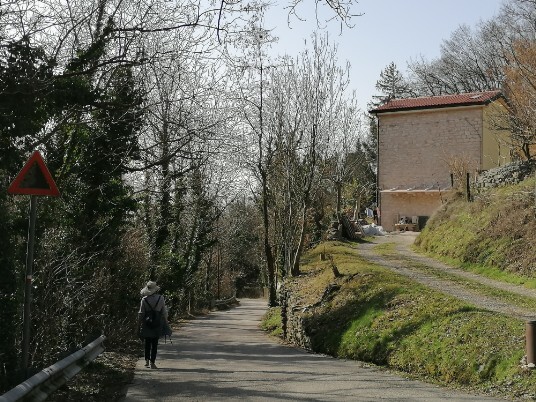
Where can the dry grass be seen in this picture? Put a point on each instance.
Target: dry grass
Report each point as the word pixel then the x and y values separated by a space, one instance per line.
pixel 105 379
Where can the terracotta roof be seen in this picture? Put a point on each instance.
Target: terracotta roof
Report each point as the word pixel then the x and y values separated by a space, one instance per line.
pixel 433 102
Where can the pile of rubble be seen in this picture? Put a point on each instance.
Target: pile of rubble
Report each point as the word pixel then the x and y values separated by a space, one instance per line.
pixel 336 230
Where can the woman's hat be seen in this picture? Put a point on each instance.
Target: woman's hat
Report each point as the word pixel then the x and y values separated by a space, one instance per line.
pixel 150 288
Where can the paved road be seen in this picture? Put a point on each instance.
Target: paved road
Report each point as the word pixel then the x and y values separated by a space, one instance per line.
pixel 224 356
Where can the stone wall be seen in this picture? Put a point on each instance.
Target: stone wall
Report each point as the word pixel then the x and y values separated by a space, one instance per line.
pixel 512 173
pixel 295 327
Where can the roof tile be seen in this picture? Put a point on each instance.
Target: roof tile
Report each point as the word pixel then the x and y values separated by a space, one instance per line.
pixel 432 102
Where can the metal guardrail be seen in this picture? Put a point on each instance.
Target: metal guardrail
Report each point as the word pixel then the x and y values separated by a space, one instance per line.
pixel 42 384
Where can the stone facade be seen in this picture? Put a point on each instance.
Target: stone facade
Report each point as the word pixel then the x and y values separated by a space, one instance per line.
pixel 416 152
pixel 415 148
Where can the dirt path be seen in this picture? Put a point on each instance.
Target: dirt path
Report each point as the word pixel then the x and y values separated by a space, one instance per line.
pixel 443 277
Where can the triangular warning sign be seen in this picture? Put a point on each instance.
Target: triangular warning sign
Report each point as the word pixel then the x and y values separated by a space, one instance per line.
pixel 34 179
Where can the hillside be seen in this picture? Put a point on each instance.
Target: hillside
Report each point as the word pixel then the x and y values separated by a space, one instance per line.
pixel 497 231
pixel 380 310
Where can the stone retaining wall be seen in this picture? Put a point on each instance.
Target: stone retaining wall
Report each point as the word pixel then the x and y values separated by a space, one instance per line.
pixel 298 329
pixel 512 173
pixel 297 333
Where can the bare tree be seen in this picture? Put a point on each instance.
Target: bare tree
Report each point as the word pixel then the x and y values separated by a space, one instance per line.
pixel 342 11
pixel 348 168
pixel 306 107
pixel 252 72
pixel 470 61
pixel 520 88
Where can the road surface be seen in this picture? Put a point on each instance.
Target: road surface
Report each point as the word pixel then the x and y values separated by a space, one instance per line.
pixel 224 357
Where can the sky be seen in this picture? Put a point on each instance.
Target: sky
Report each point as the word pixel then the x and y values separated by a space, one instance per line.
pixel 388 31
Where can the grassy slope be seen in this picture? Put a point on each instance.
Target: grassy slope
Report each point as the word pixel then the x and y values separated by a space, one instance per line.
pixel 384 318
pixel 494 235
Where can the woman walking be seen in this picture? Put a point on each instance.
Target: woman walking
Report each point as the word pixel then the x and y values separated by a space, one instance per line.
pixel 152 317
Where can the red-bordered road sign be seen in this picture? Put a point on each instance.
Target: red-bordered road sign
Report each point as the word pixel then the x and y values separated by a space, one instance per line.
pixel 34 179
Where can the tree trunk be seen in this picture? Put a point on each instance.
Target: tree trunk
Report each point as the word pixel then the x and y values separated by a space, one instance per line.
pixel 270 262
pixel 162 230
pixel 297 256
pixel 338 185
pixel 357 207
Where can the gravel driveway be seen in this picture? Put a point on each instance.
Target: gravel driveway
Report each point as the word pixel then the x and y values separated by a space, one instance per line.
pixel 424 270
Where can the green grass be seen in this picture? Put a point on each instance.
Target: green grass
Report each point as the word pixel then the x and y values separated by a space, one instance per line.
pixel 488 271
pixel 387 250
pixel 384 318
pixel 494 235
pixel 271 322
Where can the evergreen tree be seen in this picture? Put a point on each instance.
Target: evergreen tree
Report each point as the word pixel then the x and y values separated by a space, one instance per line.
pixel 24 77
pixel 99 201
pixel 391 85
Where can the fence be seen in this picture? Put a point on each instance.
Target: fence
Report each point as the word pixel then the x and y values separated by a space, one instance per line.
pixel 41 385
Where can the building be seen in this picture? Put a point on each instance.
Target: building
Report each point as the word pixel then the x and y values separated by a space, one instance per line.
pixel 425 144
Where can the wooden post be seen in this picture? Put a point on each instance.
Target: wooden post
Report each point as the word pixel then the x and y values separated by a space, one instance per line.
pixel 468 188
pixel 530 341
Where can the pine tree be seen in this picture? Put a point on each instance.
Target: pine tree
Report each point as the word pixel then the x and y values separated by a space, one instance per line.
pixel 391 85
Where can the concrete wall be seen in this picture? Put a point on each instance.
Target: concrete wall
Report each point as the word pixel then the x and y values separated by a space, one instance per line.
pixel 394 205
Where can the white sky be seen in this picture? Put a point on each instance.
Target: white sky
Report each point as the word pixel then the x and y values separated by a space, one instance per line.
pixel 389 30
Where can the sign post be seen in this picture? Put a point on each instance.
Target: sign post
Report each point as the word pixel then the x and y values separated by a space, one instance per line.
pixel 28 284
pixel 34 179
